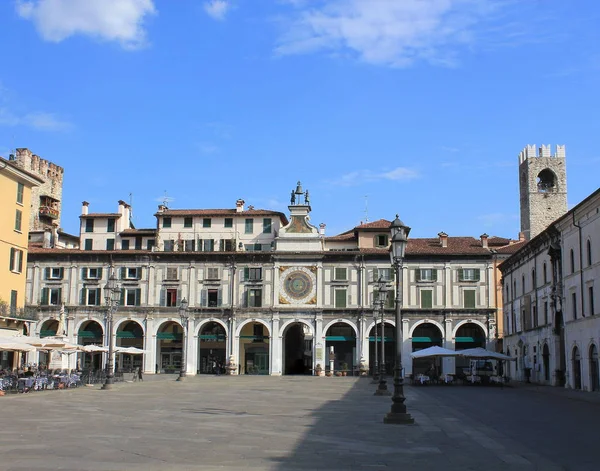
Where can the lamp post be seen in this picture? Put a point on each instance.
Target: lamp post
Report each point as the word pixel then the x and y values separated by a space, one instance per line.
pixel 382 389
pixel 398 414
pixel 185 317
pixel 376 364
pixel 112 294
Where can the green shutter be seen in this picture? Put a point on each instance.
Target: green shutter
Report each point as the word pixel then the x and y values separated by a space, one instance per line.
pixel 138 296
pixel 469 298
pixel 426 299
pixel 122 298
pixel 82 296
pixel 434 274
pixel 99 273
pixel 477 274
pixel 44 300
pixel 460 274
pixel 340 298
pixel 47 273
pixel 59 296
pixel 21 256
pixel 123 273
pixel 417 274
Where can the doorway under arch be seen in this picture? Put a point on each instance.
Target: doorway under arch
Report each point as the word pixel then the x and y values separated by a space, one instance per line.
pixel 594 383
pixel 169 347
pixel 297 349
pixel 212 348
pixel 576 368
pixel 424 336
pixel 389 347
pixel 90 333
pixel 130 334
pixel 546 362
pixel 254 349
pixel 468 335
pixel 341 339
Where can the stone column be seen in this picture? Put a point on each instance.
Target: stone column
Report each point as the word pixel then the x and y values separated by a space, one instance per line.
pixel 150 359
pixel 151 294
pixel 276 344
pixel 191 354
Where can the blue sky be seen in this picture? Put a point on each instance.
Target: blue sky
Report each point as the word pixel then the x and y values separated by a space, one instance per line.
pixel 416 107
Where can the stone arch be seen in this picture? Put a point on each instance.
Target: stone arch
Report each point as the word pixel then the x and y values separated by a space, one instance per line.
pixel 240 326
pixel 342 321
pixel 127 320
pixel 165 321
pixel 84 321
pixel 426 321
pixel 44 326
pixel 291 322
pixel 203 322
pixel 470 321
pixel 371 324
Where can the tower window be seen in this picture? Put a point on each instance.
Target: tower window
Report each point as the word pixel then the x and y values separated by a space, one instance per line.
pixel 546 181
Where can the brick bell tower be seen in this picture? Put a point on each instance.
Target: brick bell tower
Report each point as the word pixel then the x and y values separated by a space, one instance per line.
pixel 543 188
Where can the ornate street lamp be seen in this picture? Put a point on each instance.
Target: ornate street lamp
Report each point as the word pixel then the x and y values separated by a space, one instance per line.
pixel 376 364
pixel 398 414
pixel 112 295
pixel 382 290
pixel 185 317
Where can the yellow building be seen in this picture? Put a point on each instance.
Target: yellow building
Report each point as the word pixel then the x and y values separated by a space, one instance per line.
pixel 15 194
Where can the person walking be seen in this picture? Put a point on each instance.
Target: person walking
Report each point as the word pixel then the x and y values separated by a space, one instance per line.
pixel 140 374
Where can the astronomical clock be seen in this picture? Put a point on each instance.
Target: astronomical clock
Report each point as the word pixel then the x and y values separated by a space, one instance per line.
pixel 297 285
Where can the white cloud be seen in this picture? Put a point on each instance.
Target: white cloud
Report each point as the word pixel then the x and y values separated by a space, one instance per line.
pixel 217 9
pixel 110 20
pixel 386 32
pixel 362 176
pixel 37 120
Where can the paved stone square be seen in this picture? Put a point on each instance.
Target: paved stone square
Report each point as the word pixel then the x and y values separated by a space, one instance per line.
pixel 294 423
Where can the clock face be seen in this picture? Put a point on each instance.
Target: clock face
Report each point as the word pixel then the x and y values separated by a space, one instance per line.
pixel 298 285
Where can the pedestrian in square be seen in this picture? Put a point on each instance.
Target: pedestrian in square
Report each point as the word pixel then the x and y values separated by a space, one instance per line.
pixel 140 374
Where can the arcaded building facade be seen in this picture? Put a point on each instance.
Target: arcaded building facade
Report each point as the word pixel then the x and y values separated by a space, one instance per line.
pixel 268 292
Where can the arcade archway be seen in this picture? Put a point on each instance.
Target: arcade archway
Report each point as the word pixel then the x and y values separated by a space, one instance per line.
pixel 90 333
pixel 576 360
pixel 389 347
pixel 468 335
pixel 297 350
pixel 424 336
pixel 341 340
pixel 254 349
pixel 130 334
pixel 169 347
pixel 212 348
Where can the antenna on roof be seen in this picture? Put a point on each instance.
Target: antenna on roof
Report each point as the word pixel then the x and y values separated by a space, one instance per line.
pixel 167 199
pixel 366 208
pixel 130 207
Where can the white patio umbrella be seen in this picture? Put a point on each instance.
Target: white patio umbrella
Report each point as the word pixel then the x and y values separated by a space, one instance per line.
pixel 10 344
pixel 93 348
pixel 130 350
pixel 434 351
pixel 483 354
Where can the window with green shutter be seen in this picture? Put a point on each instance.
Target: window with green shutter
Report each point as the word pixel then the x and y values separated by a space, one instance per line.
pixel 110 227
pixel 110 244
pixel 426 298
pixel 340 298
pixel 89 225
pixel 468 274
pixel 20 190
pixel 187 222
pixel 426 274
pixel 267 225
pixel 206 222
pixel 340 274
pixel 249 226
pixel 88 244
pixel 18 220
pixel 469 298
pixel 228 222
pixel 167 222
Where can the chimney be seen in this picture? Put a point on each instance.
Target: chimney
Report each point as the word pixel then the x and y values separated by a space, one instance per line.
pixel 484 240
pixel 322 228
pixel 161 208
pixel 521 236
pixel 54 240
pixel 443 239
pixel 47 242
pixel 84 208
pixel 239 205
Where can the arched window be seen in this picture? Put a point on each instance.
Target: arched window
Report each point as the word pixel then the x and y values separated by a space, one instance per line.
pixel 545 273
pixel 572 260
pixel 589 253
